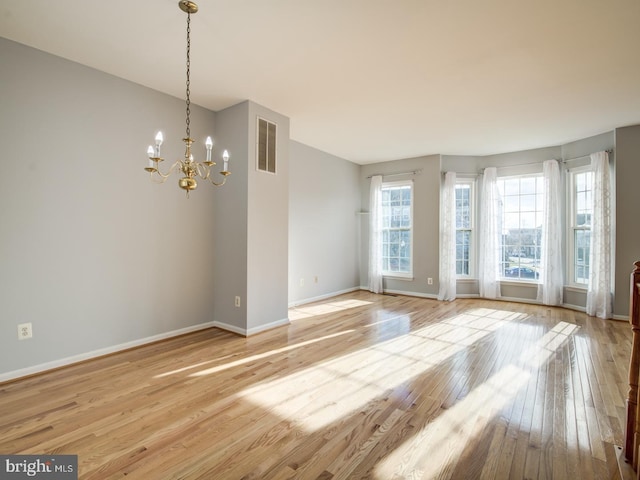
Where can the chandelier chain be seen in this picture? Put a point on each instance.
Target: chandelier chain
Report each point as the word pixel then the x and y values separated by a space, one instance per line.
pixel 188 74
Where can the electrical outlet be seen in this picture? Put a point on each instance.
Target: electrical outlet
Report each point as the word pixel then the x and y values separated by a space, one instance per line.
pixel 237 301
pixel 302 282
pixel 25 331
pixel 315 279
pixel 429 281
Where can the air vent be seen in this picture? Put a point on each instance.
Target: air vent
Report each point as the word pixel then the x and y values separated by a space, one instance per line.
pixel 266 146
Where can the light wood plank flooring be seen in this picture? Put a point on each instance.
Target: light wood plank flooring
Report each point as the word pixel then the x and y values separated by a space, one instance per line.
pixel 358 386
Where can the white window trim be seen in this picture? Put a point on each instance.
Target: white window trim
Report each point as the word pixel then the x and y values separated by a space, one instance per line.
pixel 570 280
pixel 403 275
pixel 472 250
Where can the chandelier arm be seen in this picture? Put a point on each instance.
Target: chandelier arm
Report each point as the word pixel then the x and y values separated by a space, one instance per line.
pixel 205 168
pixel 171 170
pixel 224 179
pixel 158 179
pixel 203 171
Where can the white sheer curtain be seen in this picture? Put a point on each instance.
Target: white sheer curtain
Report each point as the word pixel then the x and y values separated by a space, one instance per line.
pixel 490 234
pixel 599 296
pixel 375 235
pixel 551 279
pixel 447 282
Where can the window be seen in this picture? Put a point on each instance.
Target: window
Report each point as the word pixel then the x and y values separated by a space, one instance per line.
pixel 581 205
pixel 397 223
pixel 464 227
pixel 266 151
pixel 522 198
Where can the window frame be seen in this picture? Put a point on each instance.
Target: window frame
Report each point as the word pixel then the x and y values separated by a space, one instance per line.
pixel 572 228
pixel 503 278
pixel 471 182
pixel 396 274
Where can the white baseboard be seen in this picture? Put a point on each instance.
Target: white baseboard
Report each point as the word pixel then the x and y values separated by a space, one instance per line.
pixel 568 306
pixel 412 294
pixel 230 328
pixel 402 292
pixel 245 332
pixel 63 362
pixel 577 308
pixel 304 301
pixel 268 326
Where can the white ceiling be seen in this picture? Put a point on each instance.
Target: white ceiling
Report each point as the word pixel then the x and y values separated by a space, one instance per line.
pixel 371 80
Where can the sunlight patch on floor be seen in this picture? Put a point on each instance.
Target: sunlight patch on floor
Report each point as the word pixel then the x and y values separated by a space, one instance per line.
pixel 260 356
pixel 326 392
pixel 190 367
pixel 297 313
pixel 441 442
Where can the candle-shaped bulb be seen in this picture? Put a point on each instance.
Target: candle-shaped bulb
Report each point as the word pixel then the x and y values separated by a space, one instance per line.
pixel 158 143
pixel 150 153
pixel 208 143
pixel 225 157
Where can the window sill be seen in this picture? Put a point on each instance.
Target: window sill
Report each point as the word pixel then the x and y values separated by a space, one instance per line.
pixel 575 288
pixel 520 283
pixel 466 280
pixel 399 276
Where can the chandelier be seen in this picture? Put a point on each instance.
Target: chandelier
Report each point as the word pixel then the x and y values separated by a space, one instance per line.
pixel 188 166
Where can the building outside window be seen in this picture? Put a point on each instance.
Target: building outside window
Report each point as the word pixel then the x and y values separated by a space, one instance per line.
pixel 397 228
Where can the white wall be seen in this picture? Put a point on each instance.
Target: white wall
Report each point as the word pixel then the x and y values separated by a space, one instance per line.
pixel 92 253
pixel 324 201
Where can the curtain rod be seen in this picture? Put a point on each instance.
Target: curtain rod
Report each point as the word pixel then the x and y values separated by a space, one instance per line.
pixel 412 172
pixel 564 160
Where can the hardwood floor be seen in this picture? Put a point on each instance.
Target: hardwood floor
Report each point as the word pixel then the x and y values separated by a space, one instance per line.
pixel 358 386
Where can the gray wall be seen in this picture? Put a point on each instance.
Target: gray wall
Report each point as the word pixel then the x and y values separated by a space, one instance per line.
pixel 426 218
pixel 268 228
pixel 251 235
pixel 627 250
pixel 93 253
pixel 324 199
pixel 230 235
